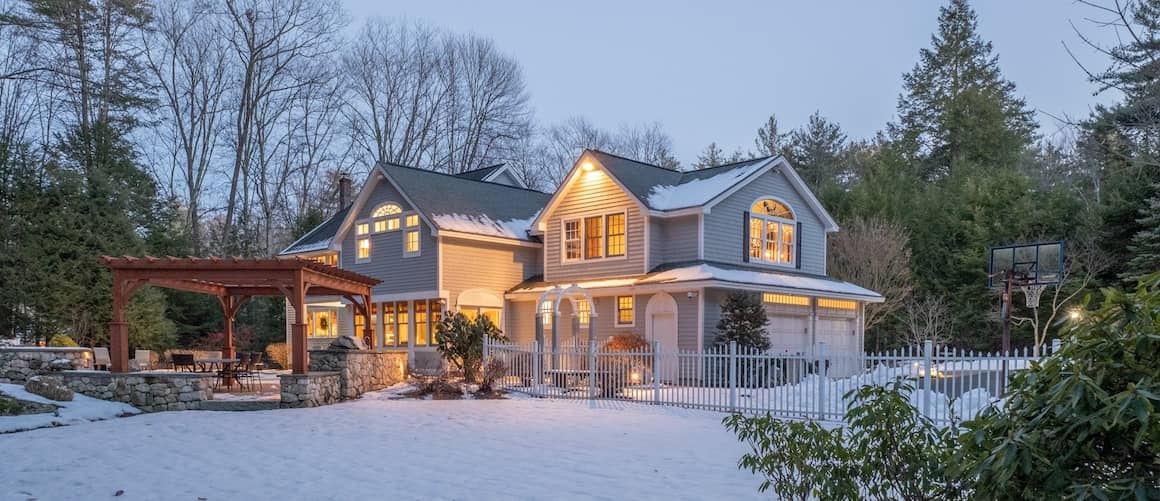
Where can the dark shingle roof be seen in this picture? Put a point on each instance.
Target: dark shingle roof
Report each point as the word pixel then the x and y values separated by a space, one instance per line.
pixel 435 193
pixel 480 173
pixel 320 236
pixel 641 178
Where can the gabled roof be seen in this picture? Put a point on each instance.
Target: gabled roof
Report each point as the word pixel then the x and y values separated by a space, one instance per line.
pixel 320 237
pixel 490 174
pixel 457 203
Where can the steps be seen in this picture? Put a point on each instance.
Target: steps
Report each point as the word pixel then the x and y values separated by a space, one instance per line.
pixel 239 405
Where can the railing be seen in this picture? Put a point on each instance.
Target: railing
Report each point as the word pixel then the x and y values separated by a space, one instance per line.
pixel 946 383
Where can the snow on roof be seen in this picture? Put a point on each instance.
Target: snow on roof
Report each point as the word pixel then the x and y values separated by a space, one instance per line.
pixel 313 246
pixel 481 224
pixel 784 281
pixel 698 191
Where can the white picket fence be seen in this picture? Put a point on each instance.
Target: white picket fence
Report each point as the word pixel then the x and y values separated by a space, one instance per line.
pixel 948 384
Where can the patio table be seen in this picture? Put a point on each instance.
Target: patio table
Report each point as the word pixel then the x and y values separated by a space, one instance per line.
pixel 212 364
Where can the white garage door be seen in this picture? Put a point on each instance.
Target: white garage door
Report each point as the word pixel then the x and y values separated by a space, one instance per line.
pixel 788 334
pixel 841 337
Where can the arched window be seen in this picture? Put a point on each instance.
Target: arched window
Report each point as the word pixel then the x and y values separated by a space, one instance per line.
pixel 386 217
pixel 772 232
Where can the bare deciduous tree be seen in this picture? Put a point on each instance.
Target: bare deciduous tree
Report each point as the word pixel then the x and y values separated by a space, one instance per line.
pixel 873 253
pixel 560 145
pixel 928 318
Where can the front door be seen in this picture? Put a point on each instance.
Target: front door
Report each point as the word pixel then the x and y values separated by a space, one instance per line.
pixel 663 328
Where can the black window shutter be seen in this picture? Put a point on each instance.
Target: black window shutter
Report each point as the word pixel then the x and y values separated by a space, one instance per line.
pixel 798 245
pixel 745 236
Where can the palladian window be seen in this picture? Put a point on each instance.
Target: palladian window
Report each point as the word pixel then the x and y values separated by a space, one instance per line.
pixel 772 233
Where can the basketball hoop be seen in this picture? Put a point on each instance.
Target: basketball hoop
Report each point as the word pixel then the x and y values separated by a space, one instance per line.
pixel 1032 293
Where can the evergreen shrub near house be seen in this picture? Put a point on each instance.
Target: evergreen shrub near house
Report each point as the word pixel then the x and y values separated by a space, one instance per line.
pixel 460 341
pixel 744 321
pixel 62 341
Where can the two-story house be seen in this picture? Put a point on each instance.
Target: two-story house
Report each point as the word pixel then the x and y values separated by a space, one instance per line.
pixel 656 249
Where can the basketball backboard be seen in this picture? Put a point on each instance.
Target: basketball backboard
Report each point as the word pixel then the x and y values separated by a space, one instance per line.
pixel 1031 264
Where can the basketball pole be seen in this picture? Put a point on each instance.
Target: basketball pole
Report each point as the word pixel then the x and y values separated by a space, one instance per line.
pixel 1009 276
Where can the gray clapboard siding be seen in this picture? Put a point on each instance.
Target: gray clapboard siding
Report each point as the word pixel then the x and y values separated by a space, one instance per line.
pixel 681 239
pixel 713 300
pixel 399 274
pixel 521 321
pixel 472 264
pixel 594 193
pixel 724 233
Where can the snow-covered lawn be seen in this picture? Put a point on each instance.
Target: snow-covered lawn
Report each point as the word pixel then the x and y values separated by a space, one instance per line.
pixel 380 448
pixel 81 409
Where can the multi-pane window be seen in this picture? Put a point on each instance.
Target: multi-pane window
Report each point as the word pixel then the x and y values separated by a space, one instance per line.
pixel 411 243
pixel 624 310
pixel 322 323
pixel 436 316
pixel 546 314
pixel 386 217
pixel 421 329
pixel 389 324
pixel 772 232
pixel 364 249
pixel 593 237
pixel 361 229
pixel 330 259
pixel 412 220
pixel 571 240
pixel 403 320
pixel 584 312
pixel 387 209
pixel 616 231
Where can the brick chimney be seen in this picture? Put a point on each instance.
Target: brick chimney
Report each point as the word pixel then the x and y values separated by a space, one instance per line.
pixel 344 191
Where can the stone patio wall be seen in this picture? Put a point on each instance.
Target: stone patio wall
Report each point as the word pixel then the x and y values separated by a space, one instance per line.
pixel 19 363
pixel 310 390
pixel 147 391
pixel 361 370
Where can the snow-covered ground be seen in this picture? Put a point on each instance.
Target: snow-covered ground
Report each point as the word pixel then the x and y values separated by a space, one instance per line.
pixel 380 447
pixel 81 409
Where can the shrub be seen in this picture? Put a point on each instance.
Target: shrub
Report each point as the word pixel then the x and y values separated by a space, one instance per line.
pixel 1084 422
pixel 743 320
pixel 493 370
pixel 62 341
pixel 279 353
pixel 461 341
pixel 627 342
pixel 888 451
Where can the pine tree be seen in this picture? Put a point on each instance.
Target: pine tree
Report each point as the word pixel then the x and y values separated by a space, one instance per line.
pixel 743 320
pixel 1145 246
pixel 711 156
pixel 956 106
pixel 816 152
pixel 769 138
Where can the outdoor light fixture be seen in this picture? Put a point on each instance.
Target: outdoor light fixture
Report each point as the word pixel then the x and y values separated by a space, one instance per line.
pixel 587 166
pixel 635 376
pixel 1074 315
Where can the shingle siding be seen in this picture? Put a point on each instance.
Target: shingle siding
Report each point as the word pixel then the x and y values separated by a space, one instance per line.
pixel 470 264
pixel 724 238
pixel 399 274
pixel 594 193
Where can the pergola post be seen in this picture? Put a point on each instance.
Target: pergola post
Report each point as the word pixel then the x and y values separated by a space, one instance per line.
pixel 230 306
pixel 298 360
pixel 368 322
pixel 118 330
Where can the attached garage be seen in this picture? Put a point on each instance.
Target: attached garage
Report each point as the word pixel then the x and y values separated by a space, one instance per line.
pixel 789 323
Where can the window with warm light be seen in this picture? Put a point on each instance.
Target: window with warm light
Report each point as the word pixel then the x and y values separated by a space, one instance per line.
pixel 546 314
pixel 625 315
pixel 593 237
pixel 328 259
pixel 361 229
pixel 772 233
pixel 837 304
pixel 403 321
pixel 572 240
pixel 436 316
pixel 412 220
pixel 616 231
pixel 389 330
pixel 771 298
pixel 584 312
pixel 387 209
pixel 364 250
pixel 421 329
pixel 322 323
pixel 411 243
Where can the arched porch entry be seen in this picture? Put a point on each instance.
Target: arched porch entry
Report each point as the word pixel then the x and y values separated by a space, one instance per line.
pixel 661 326
pixel 484 302
pixel 549 305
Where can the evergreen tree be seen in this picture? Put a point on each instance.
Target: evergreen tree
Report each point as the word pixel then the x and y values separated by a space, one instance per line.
pixel 743 320
pixel 711 156
pixel 769 138
pixel 816 152
pixel 1145 246
pixel 956 105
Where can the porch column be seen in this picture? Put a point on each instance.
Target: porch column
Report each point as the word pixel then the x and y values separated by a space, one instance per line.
pixel 227 326
pixel 118 331
pixel 298 359
pixel 368 322
pixel 381 326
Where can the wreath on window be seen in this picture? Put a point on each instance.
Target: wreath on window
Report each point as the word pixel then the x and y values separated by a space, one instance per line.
pixel 324 323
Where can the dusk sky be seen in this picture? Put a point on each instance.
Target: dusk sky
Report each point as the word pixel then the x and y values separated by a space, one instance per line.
pixel 713 71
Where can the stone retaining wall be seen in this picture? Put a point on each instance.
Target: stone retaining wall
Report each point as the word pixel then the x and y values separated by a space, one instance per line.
pixel 361 370
pixel 310 390
pixel 20 363
pixel 147 391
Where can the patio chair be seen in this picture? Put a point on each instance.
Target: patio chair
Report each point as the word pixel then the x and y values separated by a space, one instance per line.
pixel 101 358
pixel 183 362
pixel 144 359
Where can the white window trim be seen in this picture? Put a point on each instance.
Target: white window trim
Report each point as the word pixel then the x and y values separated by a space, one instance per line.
pixel 792 222
pixel 370 227
pixel 616 311
pixel 406 215
pixel 583 241
pixel 370 249
pixel 418 242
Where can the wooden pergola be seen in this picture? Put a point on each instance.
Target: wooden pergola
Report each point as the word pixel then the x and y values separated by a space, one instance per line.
pixel 234 281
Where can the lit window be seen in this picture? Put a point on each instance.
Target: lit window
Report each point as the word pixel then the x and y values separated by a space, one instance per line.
pixel 546 314
pixel 837 304
pixel 330 259
pixel 412 220
pixel 386 210
pixel 361 229
pixel 389 324
pixel 772 298
pixel 615 235
pixel 436 309
pixel 404 322
pixel 772 232
pixel 584 312
pixel 322 323
pixel 364 249
pixel 593 237
pixel 571 240
pixel 421 323
pixel 380 225
pixel 411 243
pixel 624 311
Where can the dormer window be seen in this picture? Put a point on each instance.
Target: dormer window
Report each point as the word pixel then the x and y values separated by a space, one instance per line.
pixel 772 233
pixel 594 237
